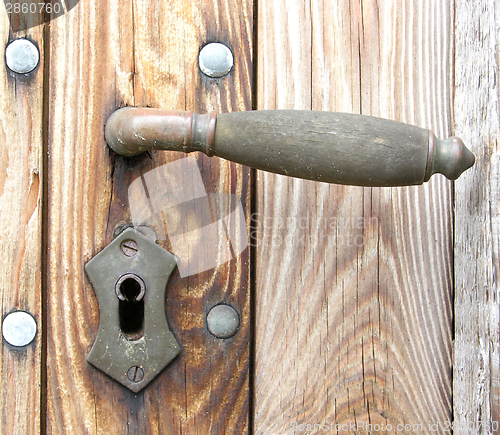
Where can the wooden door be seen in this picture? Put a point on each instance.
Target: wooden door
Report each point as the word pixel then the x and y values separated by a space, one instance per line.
pixel 358 306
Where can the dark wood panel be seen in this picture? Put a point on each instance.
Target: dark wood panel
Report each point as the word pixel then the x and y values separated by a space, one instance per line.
pixel 105 55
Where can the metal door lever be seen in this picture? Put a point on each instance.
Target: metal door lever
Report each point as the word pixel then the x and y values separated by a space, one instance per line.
pixel 323 146
pixel 129 276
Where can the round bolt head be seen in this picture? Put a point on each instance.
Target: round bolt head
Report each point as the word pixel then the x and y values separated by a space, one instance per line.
pixel 19 328
pixel 22 56
pixel 223 321
pixel 215 60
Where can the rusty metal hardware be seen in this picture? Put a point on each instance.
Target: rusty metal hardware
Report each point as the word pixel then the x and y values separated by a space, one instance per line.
pixel 323 146
pixel 134 343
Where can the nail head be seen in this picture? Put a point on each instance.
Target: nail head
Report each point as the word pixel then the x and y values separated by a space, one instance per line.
pixel 22 56
pixel 19 328
pixel 223 321
pixel 215 60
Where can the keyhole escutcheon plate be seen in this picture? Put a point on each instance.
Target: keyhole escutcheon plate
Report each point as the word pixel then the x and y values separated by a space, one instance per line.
pixel 134 342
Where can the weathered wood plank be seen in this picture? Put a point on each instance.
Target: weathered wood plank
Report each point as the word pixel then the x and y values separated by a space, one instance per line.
pixel 90 67
pixel 21 199
pixel 140 53
pixel 207 387
pixel 476 394
pixel 354 285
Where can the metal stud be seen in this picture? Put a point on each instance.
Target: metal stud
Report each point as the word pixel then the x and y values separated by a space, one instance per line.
pixel 223 321
pixel 19 328
pixel 22 56
pixel 215 60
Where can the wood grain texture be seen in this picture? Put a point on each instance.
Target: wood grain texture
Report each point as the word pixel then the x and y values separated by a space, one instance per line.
pixel 104 55
pixel 21 194
pixel 477 232
pixel 354 285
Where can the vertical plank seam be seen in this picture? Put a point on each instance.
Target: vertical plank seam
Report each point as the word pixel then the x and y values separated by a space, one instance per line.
pixel 251 247
pixel 134 63
pixel 453 235
pixel 311 66
pixel 361 36
pixel 45 67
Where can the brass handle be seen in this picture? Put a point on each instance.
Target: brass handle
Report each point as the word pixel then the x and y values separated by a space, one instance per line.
pixel 323 146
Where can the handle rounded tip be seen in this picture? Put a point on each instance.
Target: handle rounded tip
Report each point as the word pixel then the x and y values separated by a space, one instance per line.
pixel 119 131
pixel 451 158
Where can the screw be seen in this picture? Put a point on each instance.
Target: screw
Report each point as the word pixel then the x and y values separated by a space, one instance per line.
pixel 215 60
pixel 135 374
pixel 19 328
pixel 223 321
pixel 130 248
pixel 22 56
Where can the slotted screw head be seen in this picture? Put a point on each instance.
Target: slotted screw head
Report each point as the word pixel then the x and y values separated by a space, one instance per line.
pixel 130 248
pixel 215 60
pixel 135 374
pixel 22 56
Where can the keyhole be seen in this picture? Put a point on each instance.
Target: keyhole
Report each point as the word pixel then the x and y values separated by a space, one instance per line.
pixel 130 290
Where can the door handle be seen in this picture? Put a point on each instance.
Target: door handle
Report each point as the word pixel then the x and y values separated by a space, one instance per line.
pixel 323 146
pixel 331 147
